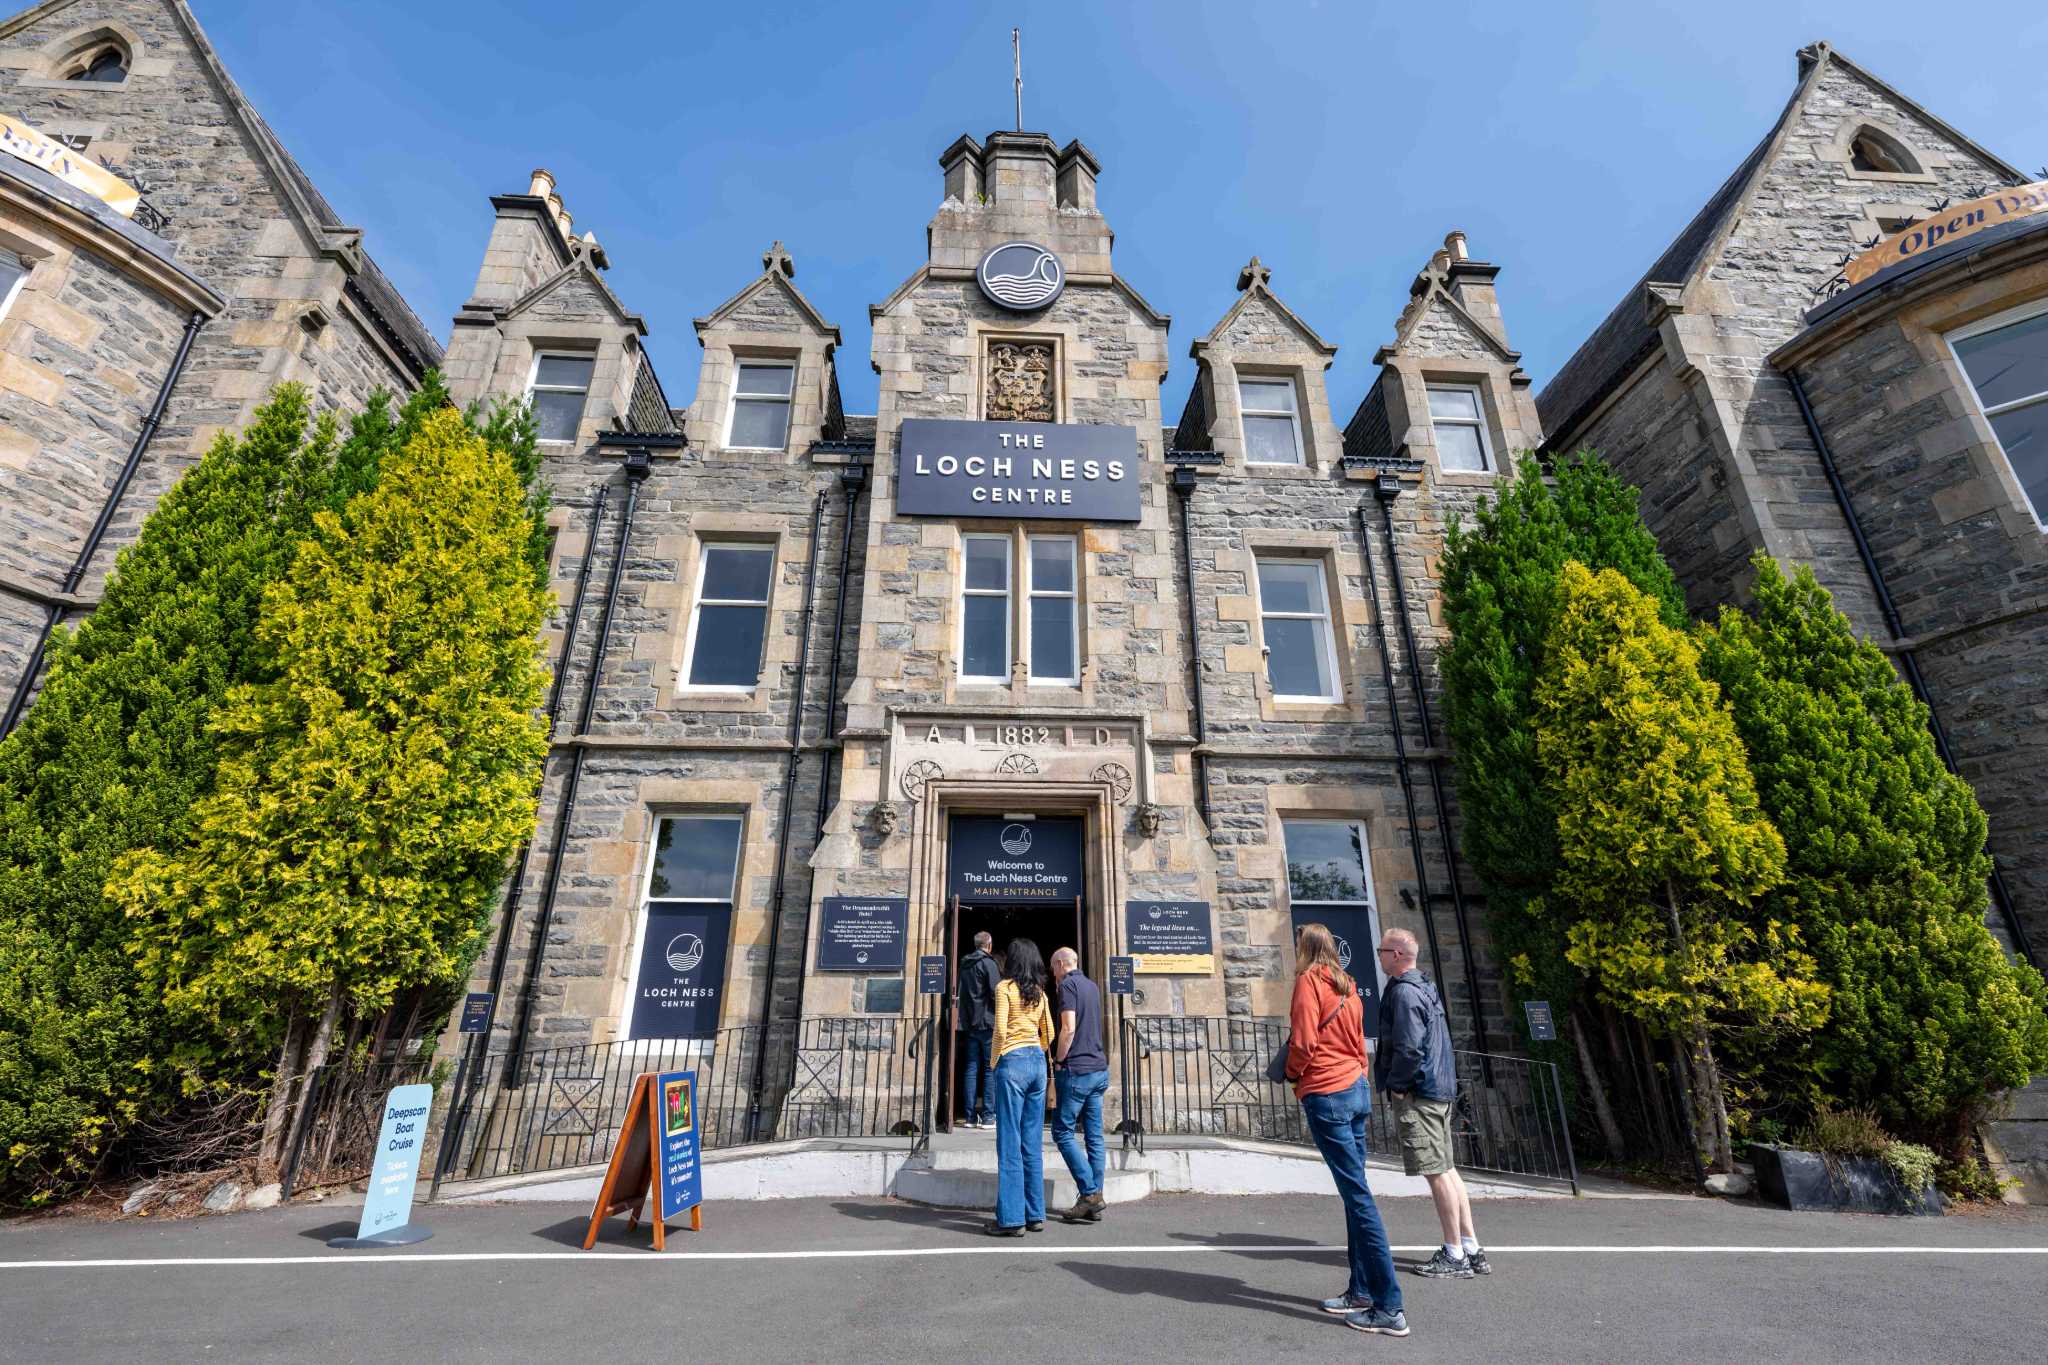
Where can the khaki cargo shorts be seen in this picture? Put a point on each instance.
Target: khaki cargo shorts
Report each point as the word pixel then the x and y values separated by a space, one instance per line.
pixel 1425 1129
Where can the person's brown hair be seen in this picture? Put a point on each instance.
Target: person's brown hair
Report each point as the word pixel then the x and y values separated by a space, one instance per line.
pixel 1316 946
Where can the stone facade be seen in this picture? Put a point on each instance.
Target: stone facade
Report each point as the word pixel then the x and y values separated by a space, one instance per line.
pixel 284 290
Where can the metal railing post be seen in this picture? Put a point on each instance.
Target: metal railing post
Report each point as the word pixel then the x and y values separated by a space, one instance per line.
pixel 1564 1126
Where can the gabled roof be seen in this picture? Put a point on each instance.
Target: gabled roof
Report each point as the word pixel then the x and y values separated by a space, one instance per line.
pixel 778 271
pixel 368 284
pixel 1627 335
pixel 1253 283
pixel 581 266
pixel 1430 295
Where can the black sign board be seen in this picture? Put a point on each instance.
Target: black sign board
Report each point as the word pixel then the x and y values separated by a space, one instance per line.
pixel 1063 470
pixel 1357 936
pixel 476 1012
pixel 993 859
pixel 1122 975
pixel 682 969
pixel 1542 1028
pixel 931 976
pixel 1168 928
pixel 858 934
pixel 885 995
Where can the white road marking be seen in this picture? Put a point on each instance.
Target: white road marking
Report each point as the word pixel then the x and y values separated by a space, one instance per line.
pixel 651 1257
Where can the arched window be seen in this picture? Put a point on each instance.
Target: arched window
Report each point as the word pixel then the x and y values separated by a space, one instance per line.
pixel 1877 153
pixel 107 66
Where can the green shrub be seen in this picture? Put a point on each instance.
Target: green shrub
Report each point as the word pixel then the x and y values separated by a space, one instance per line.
pixel 1844 1132
pixel 1969 1181
pixel 1912 1165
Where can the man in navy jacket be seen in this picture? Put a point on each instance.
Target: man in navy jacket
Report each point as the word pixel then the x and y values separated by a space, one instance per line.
pixel 1416 1069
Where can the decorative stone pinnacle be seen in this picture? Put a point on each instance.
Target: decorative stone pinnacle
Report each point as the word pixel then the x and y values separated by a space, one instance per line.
pixel 1253 274
pixel 775 258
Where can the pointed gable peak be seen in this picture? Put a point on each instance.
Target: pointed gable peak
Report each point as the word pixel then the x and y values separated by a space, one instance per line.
pixel 769 301
pixel 1259 321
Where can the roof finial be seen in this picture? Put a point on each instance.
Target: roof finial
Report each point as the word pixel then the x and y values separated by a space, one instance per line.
pixel 775 258
pixel 1017 64
pixel 1253 274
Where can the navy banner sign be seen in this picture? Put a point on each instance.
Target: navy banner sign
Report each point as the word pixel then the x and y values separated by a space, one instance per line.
pixel 476 1012
pixel 931 976
pixel 682 969
pixel 1170 936
pixel 1069 471
pixel 1121 971
pixel 862 935
pixel 1542 1028
pixel 682 1179
pixel 995 860
pixel 1357 936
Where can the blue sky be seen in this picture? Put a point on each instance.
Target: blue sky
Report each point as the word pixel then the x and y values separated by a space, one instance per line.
pixel 1337 141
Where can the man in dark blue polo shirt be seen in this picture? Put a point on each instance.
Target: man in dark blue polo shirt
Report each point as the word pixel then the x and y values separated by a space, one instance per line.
pixel 1080 1076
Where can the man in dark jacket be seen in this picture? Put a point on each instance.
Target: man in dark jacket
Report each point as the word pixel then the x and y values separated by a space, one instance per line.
pixel 979 976
pixel 1415 1068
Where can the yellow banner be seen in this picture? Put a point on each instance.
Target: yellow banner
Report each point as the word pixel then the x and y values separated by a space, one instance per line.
pixel 1175 964
pixel 73 168
pixel 1957 220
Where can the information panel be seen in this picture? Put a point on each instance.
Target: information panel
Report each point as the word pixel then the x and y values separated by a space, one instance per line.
pixel 682 1179
pixel 682 969
pixel 1542 1027
pixel 387 1205
pixel 858 934
pixel 1170 937
pixel 1357 935
pixel 993 859
pixel 1121 970
pixel 1064 470
pixel 931 976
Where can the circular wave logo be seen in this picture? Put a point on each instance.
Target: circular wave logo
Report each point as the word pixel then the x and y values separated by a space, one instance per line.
pixel 685 951
pixel 1343 952
pixel 1020 276
pixel 1016 840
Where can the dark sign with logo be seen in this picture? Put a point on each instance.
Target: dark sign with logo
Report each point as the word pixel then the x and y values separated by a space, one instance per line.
pixel 1357 936
pixel 682 969
pixel 931 976
pixel 1071 471
pixel 1122 976
pixel 682 1179
pixel 993 859
pixel 1170 936
pixel 1020 276
pixel 476 1012
pixel 862 935
pixel 1542 1028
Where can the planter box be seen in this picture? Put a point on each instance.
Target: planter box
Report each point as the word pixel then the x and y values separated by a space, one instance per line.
pixel 1807 1181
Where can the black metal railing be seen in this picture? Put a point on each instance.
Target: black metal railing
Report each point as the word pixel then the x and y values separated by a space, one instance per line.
pixel 1200 1076
pixel 336 1134
pixel 564 1107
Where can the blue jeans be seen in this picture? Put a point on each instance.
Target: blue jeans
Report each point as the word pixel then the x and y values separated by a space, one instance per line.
pixel 1020 1135
pixel 976 1087
pixel 1081 1097
pixel 1338 1123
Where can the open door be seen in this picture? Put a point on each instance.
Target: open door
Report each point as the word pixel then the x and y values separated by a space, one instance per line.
pixel 949 1019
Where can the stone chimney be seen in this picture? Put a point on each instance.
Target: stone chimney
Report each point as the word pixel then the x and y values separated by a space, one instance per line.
pixel 1471 284
pixel 961 166
pixel 1076 181
pixel 1019 169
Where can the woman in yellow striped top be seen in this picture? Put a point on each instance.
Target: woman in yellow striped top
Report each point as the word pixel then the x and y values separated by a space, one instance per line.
pixel 1022 1035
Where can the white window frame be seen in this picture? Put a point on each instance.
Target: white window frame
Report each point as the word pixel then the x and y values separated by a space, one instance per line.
pixel 698 602
pixel 1371 902
pixel 735 398
pixel 1032 591
pixel 1487 463
pixel 13 290
pixel 1997 322
pixel 533 386
pixel 1329 632
pixel 1293 417
pixel 1009 596
pixel 694 1046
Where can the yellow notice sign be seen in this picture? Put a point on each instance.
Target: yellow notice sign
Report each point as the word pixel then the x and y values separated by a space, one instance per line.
pixel 73 168
pixel 1957 220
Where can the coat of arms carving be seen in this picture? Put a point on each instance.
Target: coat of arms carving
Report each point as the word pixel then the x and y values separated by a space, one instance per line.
pixel 1020 382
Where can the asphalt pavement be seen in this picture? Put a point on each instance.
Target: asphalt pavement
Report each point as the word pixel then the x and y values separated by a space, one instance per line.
pixel 1174 1278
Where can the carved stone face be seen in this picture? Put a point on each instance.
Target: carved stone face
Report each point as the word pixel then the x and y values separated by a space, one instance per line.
pixel 1149 818
pixel 1020 382
pixel 883 818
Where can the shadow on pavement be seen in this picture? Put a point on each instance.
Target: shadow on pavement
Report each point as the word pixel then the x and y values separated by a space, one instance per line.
pixel 1191 1287
pixel 1264 1246
pixel 327 1230
pixel 909 1215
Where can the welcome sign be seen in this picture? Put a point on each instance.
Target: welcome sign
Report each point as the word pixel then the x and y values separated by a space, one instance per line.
pixel 1956 221
pixel 1006 861
pixel 1017 469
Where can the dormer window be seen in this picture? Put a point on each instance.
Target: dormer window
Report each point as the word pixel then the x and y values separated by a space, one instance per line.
pixel 557 392
pixel 105 67
pixel 759 419
pixel 1876 153
pixel 1272 421
pixel 1459 420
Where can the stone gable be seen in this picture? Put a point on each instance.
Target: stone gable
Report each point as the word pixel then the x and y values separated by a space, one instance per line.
pixel 1259 326
pixel 1441 332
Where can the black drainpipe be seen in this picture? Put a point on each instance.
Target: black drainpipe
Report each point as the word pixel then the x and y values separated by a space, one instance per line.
pixel 789 766
pixel 637 469
pixel 852 479
pixel 1184 481
pixel 1379 631
pixel 143 437
pixel 2007 910
pixel 1387 488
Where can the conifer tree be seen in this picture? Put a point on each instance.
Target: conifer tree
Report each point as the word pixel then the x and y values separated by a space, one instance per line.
pixel 1885 873
pixel 370 793
pixel 1663 850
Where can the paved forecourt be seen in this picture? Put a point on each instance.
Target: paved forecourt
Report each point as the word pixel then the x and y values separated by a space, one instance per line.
pixel 1174 1277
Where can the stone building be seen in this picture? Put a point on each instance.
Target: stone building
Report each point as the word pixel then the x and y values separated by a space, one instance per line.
pixel 1890 435
pixel 132 332
pixel 1009 655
